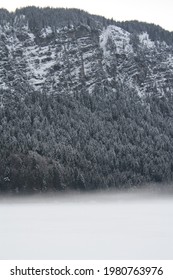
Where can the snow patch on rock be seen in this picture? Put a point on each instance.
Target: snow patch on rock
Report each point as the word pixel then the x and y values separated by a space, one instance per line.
pixel 145 40
pixel 119 38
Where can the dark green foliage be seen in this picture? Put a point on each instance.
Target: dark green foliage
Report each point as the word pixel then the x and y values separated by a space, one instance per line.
pixel 155 31
pixel 56 143
pixel 42 17
pixel 5 16
pixel 60 17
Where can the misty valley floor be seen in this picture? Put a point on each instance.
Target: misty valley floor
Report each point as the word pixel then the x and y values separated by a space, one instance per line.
pixel 96 226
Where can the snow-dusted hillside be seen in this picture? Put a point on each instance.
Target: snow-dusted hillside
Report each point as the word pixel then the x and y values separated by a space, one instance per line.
pixel 70 58
pixel 85 102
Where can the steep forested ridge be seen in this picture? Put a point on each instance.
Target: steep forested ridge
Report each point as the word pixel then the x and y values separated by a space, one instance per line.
pixel 85 102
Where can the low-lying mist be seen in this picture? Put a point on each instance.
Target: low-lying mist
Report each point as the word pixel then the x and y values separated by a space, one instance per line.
pixel 106 225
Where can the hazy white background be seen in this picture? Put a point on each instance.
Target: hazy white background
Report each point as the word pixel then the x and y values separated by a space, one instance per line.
pixel 97 226
pixel 153 11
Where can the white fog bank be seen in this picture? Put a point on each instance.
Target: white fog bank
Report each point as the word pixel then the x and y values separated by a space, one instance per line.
pixel 97 226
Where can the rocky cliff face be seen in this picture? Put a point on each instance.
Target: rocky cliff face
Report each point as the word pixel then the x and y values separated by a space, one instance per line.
pixel 72 58
pixel 95 64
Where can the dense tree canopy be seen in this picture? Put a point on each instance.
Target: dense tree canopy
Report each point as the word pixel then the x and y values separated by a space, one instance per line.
pixel 64 137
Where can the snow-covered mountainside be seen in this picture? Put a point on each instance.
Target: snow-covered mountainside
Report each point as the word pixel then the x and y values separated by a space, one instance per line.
pixel 71 58
pixel 95 72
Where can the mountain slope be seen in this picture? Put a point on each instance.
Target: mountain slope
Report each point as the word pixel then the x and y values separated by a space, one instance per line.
pixel 85 102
